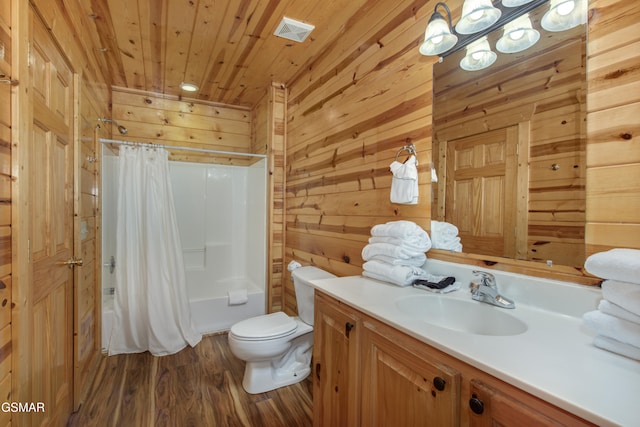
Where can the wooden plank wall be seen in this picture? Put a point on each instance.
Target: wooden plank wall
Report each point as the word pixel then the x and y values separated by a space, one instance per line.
pixel 544 87
pixel 5 210
pixel 613 127
pixel 268 124
pixel 158 119
pixel 356 105
pixel 348 115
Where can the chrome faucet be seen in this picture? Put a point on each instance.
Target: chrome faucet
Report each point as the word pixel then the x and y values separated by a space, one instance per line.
pixel 487 290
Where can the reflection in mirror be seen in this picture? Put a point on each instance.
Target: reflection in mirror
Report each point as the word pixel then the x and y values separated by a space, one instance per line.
pixel 509 149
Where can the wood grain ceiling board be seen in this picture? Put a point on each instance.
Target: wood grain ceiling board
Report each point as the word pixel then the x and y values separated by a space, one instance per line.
pixel 226 47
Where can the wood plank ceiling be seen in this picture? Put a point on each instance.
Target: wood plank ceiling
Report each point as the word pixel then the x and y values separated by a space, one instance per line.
pixel 226 47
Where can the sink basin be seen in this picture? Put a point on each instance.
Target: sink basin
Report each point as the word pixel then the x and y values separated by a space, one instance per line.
pixel 470 316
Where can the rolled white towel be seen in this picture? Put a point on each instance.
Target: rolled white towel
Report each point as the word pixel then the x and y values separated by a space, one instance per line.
pixel 395 251
pixel 415 244
pixel 416 261
pixel 401 228
pixel 617 347
pixel 400 275
pixel 616 264
pixel 608 307
pixel 626 295
pixel 612 327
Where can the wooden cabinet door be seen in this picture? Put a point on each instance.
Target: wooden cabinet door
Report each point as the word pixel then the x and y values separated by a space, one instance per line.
pixel 47 326
pixel 336 379
pixel 481 190
pixel 401 386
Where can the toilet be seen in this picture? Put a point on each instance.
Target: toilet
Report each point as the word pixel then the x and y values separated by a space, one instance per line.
pixel 277 348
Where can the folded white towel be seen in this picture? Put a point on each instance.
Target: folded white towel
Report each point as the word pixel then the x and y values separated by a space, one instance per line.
pixel 608 307
pixel 442 228
pixel 401 228
pixel 618 347
pixel 416 261
pixel 400 275
pixel 616 264
pixel 449 244
pixel 404 183
pixel 418 244
pixel 612 327
pixel 238 296
pixel 626 295
pixel 395 251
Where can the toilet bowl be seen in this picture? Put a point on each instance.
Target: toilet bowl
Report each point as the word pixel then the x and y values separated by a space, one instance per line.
pixel 277 348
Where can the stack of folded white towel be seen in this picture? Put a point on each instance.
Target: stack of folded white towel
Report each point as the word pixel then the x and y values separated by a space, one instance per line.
pixel 444 235
pixel 395 252
pixel 617 320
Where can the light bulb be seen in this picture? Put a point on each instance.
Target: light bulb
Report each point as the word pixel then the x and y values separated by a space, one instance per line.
pixel 566 8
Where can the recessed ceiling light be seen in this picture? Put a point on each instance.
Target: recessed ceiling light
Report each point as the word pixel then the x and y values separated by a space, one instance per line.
pixel 189 87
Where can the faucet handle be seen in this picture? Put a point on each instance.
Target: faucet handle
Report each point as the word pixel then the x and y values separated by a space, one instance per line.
pixel 487 279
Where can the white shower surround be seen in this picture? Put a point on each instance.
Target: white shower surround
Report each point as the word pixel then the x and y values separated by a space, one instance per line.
pixel 221 213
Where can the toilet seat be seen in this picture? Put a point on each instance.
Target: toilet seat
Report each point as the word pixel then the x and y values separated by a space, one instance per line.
pixel 265 327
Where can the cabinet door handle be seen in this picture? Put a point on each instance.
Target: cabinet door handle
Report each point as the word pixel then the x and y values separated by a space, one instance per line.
pixel 439 383
pixel 318 371
pixel 347 328
pixel 476 405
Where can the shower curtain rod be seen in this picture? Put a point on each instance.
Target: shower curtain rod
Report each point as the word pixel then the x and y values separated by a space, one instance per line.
pixel 172 147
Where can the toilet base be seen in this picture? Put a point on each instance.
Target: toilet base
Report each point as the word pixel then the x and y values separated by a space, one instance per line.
pixel 293 367
pixel 260 379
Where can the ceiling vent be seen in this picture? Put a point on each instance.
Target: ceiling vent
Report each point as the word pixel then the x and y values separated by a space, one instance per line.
pixel 293 30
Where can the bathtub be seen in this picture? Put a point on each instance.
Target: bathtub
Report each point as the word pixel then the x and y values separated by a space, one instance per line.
pixel 210 314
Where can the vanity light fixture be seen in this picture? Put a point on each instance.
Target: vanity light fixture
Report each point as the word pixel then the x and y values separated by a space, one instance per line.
pixel 518 35
pixel 477 15
pixel 188 87
pixel 482 17
pixel 564 15
pixel 438 37
pixel 479 56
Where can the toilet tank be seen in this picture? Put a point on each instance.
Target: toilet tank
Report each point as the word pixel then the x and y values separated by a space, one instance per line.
pixel 304 291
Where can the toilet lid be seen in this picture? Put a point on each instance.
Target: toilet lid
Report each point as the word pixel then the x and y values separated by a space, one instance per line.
pixel 268 326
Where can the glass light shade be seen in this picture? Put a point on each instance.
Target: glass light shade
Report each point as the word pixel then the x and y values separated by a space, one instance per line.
pixel 518 35
pixel 515 3
pixel 437 37
pixel 477 15
pixel 564 14
pixel 479 56
pixel 189 87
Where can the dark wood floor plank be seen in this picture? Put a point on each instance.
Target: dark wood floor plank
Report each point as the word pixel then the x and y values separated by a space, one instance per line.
pixel 200 387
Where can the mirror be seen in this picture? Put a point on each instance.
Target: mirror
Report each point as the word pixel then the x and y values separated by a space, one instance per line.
pixel 509 149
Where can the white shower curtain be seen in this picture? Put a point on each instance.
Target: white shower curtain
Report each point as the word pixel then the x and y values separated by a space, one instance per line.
pixel 151 306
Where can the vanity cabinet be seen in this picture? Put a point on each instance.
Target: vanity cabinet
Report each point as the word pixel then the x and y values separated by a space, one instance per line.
pixel 367 373
pixel 336 364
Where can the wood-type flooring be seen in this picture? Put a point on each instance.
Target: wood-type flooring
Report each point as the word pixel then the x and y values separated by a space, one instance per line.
pixel 199 387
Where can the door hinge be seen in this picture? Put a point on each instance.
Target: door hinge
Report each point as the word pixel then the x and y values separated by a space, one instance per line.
pixel 28 53
pixel 28 250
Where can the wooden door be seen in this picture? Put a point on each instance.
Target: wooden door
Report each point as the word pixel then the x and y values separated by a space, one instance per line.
pixel 481 191
pixel 50 201
pixel 336 400
pixel 401 386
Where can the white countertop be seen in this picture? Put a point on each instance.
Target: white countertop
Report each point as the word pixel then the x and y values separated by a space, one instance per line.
pixel 554 359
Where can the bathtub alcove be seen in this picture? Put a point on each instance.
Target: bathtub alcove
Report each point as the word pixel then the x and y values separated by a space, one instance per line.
pixel 221 212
